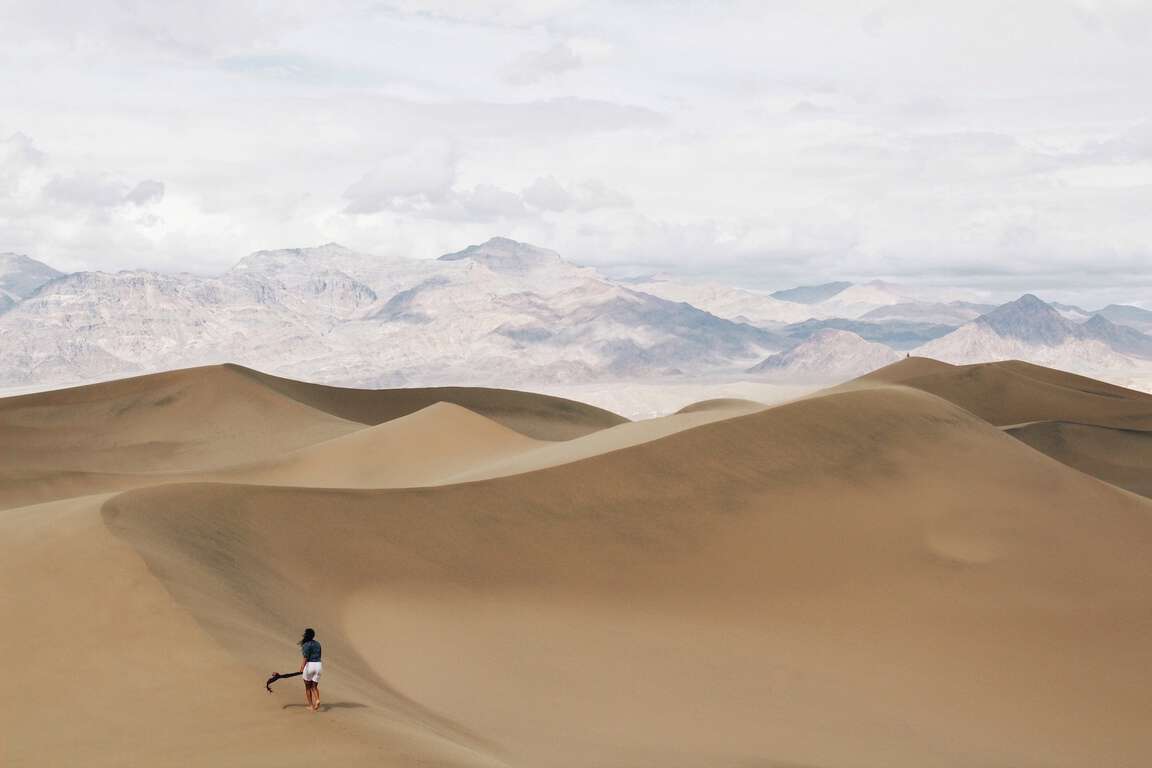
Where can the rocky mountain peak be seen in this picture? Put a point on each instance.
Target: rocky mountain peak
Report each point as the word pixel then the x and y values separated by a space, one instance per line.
pixel 1030 319
pixel 504 255
pixel 21 276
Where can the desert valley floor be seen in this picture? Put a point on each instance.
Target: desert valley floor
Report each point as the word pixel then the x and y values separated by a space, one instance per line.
pixel 930 566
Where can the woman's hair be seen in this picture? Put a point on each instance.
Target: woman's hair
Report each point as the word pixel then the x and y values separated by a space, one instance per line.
pixel 308 635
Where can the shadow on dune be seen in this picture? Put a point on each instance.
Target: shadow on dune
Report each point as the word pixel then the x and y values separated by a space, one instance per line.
pixel 326 707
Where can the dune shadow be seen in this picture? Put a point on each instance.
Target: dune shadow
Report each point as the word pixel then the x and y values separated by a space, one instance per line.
pixel 326 707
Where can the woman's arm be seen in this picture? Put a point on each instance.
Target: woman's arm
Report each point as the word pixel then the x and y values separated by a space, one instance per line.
pixel 303 661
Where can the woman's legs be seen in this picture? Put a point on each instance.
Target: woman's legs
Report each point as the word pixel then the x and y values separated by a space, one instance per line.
pixel 308 688
pixel 315 697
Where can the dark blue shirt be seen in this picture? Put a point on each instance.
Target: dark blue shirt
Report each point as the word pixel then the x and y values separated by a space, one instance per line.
pixel 311 650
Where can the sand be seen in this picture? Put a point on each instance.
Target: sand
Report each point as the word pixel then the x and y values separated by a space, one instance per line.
pixel 1122 457
pixel 870 576
pixel 1014 392
pixel 540 416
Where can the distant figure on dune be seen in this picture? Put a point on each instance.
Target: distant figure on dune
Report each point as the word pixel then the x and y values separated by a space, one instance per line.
pixel 311 668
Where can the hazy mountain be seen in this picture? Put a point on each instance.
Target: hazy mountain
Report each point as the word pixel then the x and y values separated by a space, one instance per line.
pixel 1071 311
pixel 1029 329
pixel 1124 314
pixel 897 334
pixel 811 294
pixel 954 313
pixel 822 302
pixel 1121 338
pixel 92 325
pixel 20 277
pixel 503 255
pixel 842 299
pixel 500 312
pixel 829 355
pixel 725 301
pixel 859 299
pixel 1030 320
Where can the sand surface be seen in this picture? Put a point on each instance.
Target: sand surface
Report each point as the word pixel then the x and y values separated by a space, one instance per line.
pixel 1014 392
pixel 1122 457
pixel 877 575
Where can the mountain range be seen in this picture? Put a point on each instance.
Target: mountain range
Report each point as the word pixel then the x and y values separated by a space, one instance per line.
pixel 498 312
pixel 510 313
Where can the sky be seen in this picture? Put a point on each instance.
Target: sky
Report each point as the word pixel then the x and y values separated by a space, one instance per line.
pixel 1002 146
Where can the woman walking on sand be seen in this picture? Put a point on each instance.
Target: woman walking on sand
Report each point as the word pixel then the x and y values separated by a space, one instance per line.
pixel 311 668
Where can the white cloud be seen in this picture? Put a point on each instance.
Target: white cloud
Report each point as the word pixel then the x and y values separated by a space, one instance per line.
pixel 534 66
pixel 424 174
pixel 86 190
pixel 147 192
pixel 487 201
pixel 18 156
pixel 915 142
pixel 547 194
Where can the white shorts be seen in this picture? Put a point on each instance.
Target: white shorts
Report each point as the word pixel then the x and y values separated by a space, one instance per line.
pixel 312 671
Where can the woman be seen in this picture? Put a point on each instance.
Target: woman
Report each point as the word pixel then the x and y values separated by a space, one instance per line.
pixel 311 667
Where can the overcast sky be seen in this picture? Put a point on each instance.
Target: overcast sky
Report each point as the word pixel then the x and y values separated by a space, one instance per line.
pixel 1003 145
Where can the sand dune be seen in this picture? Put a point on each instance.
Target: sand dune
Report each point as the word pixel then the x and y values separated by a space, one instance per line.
pixel 1012 392
pixel 540 416
pixel 868 577
pixel 423 448
pixel 196 418
pixel 113 672
pixel 908 368
pixel 605 441
pixel 231 423
pixel 723 404
pixel 801 579
pixel 1122 457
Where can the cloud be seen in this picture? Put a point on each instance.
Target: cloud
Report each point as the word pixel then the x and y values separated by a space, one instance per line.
pixel 168 30
pixel 146 192
pixel 86 190
pixel 547 194
pixel 510 13
pixel 377 193
pixel 490 201
pixel 18 155
pixel 424 174
pixel 1133 144
pixel 534 66
pixel 915 142
pixel 100 191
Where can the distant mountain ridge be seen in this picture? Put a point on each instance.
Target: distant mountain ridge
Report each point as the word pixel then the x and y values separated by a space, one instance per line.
pixel 827 357
pixel 508 313
pixel 1030 329
pixel 811 294
pixel 1133 317
pixel 498 312
pixel 20 277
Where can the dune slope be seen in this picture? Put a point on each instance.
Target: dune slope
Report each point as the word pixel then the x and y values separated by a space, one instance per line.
pixel 805 585
pixel 139 431
pixel 908 368
pixel 1122 457
pixel 230 423
pixel 195 418
pixel 427 447
pixel 113 672
pixel 1011 392
pixel 543 417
